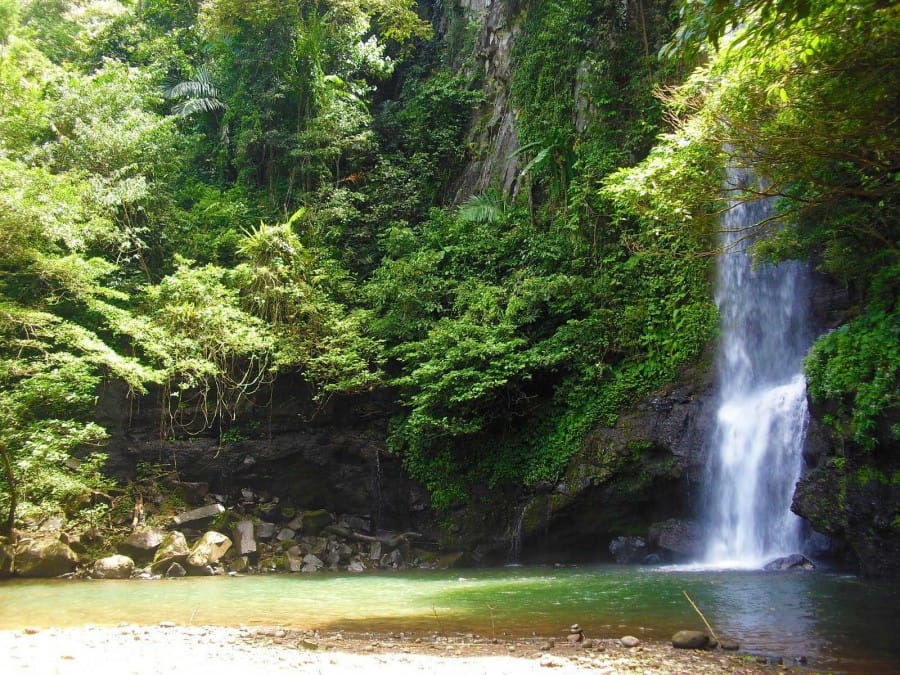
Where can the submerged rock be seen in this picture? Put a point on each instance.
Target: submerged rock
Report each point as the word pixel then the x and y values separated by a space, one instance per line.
pixel 794 561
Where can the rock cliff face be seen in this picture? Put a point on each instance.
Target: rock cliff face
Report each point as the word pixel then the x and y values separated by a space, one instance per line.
pixel 625 479
pixel 334 458
pixel 494 128
pixel 853 496
pixel 640 477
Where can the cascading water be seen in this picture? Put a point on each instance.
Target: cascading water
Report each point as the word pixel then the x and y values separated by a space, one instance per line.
pixel 757 450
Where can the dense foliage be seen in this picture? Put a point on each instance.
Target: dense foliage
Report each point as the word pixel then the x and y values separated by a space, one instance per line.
pixel 805 94
pixel 198 198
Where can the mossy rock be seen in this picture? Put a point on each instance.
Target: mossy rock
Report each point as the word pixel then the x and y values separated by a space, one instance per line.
pixel 315 521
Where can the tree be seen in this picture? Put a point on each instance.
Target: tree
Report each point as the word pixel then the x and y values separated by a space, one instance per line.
pixel 804 95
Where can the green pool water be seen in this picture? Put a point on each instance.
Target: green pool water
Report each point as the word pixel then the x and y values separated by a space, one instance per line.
pixel 835 621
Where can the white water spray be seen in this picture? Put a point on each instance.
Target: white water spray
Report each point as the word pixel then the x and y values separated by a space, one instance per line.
pixel 757 450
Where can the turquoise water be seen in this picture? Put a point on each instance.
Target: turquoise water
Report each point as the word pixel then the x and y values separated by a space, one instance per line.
pixel 837 622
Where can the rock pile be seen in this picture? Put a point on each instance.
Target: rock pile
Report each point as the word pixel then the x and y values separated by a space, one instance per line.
pixel 254 535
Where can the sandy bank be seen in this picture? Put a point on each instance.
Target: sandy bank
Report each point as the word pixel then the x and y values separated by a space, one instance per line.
pixel 209 650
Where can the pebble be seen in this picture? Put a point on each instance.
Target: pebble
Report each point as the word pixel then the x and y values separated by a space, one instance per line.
pixel 551 661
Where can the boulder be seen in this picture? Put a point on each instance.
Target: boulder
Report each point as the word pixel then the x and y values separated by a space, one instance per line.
pixel 243 535
pixel 239 564
pixel 293 559
pixel 44 558
pixel 142 542
pixel 315 521
pixel 266 531
pixel 175 570
pixel 375 549
pixel 52 524
pixel 684 538
pixel 113 567
pixel 629 641
pixel 192 493
pixel 690 639
pixel 174 548
pixel 790 562
pixel 199 516
pixel 628 550
pixel 285 534
pixel 209 549
pixel 312 563
pixel 73 541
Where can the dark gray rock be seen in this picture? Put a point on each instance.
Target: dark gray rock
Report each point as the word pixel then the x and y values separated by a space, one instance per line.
pixel 285 534
pixel 199 516
pixel 311 563
pixel 690 639
pixel 628 550
pixel 192 493
pixel 142 543
pixel 683 538
pixel 794 561
pixel 858 515
pixel 243 534
pixel 265 531
pixel 175 570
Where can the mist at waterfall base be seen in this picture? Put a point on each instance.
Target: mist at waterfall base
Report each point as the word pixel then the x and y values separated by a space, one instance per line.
pixel 756 452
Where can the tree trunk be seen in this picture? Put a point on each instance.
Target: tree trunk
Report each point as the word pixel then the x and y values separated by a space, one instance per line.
pixel 13 494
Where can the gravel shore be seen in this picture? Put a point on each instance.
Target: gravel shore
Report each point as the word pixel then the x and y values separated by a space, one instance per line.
pixel 207 650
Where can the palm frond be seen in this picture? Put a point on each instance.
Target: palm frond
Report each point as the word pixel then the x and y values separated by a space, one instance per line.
pixel 199 94
pixel 194 105
pixel 488 207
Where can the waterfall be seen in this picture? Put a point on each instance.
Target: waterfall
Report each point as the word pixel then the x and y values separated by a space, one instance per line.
pixel 757 446
pixel 515 538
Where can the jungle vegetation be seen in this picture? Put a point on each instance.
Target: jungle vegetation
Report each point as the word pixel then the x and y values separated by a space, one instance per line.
pixel 197 198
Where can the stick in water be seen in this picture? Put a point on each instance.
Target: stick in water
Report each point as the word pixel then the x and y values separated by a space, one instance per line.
pixel 697 609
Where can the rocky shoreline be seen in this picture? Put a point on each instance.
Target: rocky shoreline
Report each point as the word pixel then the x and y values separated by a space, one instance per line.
pixel 168 648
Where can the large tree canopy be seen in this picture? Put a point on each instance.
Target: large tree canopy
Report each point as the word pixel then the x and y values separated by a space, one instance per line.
pixel 197 198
